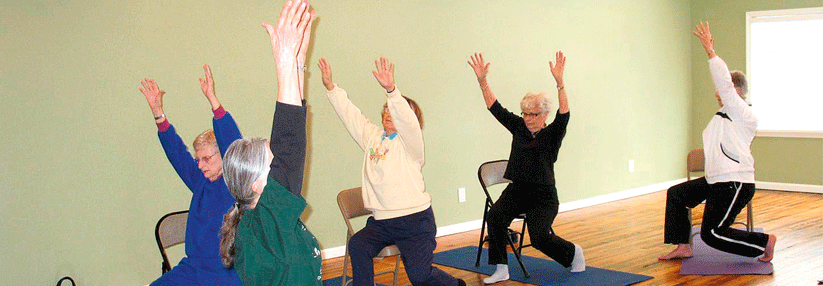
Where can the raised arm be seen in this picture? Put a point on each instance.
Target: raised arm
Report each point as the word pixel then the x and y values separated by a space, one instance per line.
pixel 225 129
pixel 403 118
pixel 729 96
pixel 179 157
pixel 286 39
pixel 353 119
pixel 154 96
pixel 481 69
pixel 288 136
pixel 557 72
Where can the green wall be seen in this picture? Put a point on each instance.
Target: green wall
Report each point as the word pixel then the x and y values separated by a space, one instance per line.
pixel 779 160
pixel 84 178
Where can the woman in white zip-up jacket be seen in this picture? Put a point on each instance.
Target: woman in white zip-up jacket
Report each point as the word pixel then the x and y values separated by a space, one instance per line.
pixel 729 182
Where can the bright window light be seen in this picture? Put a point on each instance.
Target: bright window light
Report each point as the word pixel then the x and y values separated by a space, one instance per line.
pixel 785 71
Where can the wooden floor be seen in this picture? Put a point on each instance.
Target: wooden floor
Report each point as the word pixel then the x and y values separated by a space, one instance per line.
pixel 627 236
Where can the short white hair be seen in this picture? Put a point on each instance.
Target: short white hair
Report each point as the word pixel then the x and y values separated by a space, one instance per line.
pixel 539 100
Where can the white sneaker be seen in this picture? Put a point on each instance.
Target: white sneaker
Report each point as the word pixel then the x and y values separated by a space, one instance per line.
pixel 579 262
pixel 501 274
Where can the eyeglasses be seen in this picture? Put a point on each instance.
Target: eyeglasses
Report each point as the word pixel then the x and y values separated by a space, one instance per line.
pixel 205 159
pixel 526 114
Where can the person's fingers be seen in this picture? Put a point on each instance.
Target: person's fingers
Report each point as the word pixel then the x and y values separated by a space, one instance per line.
pixel 304 23
pixel 283 14
pixel 269 28
pixel 296 13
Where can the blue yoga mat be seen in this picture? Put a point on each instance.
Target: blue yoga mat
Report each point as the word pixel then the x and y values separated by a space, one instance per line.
pixel 336 282
pixel 543 271
pixel 710 261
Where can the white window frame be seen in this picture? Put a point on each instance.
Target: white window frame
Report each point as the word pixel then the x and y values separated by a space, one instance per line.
pixel 780 15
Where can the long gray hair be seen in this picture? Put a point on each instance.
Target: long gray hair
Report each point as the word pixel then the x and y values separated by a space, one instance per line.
pixel 243 164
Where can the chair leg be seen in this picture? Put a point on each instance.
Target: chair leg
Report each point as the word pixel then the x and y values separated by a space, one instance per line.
pixel 749 218
pixel 396 270
pixel 517 255
pixel 345 266
pixel 482 238
pixel 522 237
pixel 691 237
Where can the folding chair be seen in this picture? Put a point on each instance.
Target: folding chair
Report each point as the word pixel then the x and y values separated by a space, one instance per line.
pixel 695 162
pixel 170 231
pixel 490 174
pixel 351 206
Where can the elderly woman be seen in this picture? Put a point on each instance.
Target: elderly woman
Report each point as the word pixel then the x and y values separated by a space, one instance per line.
pixel 262 235
pixel 729 182
pixel 531 169
pixel 392 181
pixel 203 175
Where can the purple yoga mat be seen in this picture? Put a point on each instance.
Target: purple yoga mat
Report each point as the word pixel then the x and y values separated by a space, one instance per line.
pixel 710 261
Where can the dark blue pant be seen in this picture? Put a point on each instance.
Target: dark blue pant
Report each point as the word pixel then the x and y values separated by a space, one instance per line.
pixel 199 271
pixel 724 201
pixel 540 204
pixel 414 236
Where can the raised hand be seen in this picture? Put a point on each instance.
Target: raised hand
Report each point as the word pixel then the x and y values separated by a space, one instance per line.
pixel 304 42
pixel 384 73
pixel 557 70
pixel 154 96
pixel 287 36
pixel 480 67
pixel 704 33
pixel 207 86
pixel 287 40
pixel 325 69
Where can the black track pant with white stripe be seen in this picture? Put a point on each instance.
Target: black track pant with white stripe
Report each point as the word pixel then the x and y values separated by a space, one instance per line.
pixel 724 201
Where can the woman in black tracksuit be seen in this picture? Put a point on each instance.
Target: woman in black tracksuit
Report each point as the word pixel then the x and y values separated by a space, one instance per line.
pixel 729 182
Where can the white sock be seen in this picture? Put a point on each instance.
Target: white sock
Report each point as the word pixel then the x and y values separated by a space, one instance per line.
pixel 579 262
pixel 501 274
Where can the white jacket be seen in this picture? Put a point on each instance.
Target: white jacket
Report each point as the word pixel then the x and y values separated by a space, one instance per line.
pixel 728 137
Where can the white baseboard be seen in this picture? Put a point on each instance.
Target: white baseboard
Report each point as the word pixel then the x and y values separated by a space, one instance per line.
pixel 333 252
pixel 475 224
pixel 639 191
pixel 789 187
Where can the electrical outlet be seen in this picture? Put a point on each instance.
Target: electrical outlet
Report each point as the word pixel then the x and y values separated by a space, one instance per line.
pixel 631 166
pixel 461 195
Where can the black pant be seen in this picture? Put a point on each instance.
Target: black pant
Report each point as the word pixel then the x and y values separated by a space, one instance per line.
pixel 540 204
pixel 724 201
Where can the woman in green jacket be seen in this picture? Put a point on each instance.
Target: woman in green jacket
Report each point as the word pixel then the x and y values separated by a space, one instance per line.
pixel 262 235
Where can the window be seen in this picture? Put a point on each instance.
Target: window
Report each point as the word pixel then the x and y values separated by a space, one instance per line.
pixel 784 57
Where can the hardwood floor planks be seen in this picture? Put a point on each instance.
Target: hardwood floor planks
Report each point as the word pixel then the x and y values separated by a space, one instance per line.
pixel 627 235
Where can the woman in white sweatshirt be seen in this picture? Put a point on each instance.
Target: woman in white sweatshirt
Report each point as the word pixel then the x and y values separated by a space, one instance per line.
pixel 729 182
pixel 392 183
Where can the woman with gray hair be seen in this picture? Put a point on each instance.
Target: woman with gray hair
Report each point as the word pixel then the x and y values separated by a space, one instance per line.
pixel 729 182
pixel 534 150
pixel 262 235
